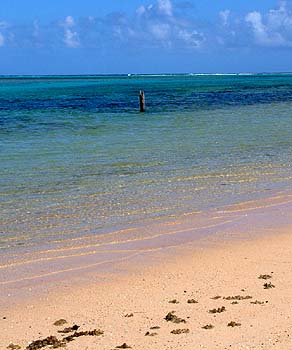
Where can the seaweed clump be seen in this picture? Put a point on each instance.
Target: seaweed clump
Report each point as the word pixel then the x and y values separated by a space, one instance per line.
pixel 13 347
pixel 123 346
pixel 233 324
pixel 218 310
pixel 192 301
pixel 60 322
pixel 70 329
pixel 171 317
pixel 208 326
pixel 264 277
pixel 238 297
pixel 51 340
pixel 56 343
pixel 180 331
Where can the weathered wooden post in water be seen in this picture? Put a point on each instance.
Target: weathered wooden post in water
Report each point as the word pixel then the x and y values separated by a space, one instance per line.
pixel 142 101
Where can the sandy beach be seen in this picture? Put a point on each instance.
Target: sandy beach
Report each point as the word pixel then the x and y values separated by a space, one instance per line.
pixel 146 175
pixel 227 290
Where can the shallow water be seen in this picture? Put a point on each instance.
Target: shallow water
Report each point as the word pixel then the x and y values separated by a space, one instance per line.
pixel 77 157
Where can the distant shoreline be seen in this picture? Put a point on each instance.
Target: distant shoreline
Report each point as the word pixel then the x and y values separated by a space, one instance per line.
pixel 142 74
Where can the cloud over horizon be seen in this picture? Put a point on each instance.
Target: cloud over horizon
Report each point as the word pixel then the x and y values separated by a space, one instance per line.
pixel 162 24
pixel 71 38
pixel 274 28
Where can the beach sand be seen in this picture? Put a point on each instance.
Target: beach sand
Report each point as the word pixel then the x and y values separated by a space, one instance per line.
pixel 235 282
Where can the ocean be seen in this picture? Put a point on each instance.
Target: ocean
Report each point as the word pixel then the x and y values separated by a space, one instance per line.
pixel 77 158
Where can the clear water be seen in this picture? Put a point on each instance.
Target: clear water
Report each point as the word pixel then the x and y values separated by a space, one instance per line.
pixel 77 157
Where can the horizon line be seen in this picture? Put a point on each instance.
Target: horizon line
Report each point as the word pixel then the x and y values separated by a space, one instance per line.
pixel 144 74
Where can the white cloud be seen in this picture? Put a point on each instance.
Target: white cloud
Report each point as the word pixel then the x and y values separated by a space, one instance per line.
pixel 161 24
pixel 165 7
pixel 71 37
pixel 193 39
pixel 140 10
pixel 157 24
pixel 272 29
pixel 2 40
pixel 224 16
pixel 160 31
pixel 69 22
pixel 281 17
pixel 255 19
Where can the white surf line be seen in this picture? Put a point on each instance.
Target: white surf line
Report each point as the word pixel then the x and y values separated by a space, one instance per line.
pixel 71 239
pixel 118 243
pixel 82 267
pixel 279 195
pixel 152 220
pixel 227 211
pixel 214 211
pixel 92 252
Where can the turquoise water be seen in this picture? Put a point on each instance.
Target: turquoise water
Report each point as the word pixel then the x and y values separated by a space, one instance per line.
pixel 77 157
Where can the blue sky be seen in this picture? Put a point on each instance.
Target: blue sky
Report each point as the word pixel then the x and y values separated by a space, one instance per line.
pixel 144 36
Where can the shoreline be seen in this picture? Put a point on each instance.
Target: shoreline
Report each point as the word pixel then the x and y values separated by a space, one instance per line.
pixel 247 240
pixel 29 273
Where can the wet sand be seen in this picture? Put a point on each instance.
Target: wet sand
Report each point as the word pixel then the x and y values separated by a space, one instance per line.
pixel 219 280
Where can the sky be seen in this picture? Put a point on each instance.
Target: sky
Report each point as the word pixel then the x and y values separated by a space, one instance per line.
pixel 145 36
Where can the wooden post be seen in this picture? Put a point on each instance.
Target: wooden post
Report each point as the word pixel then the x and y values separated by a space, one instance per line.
pixel 142 101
